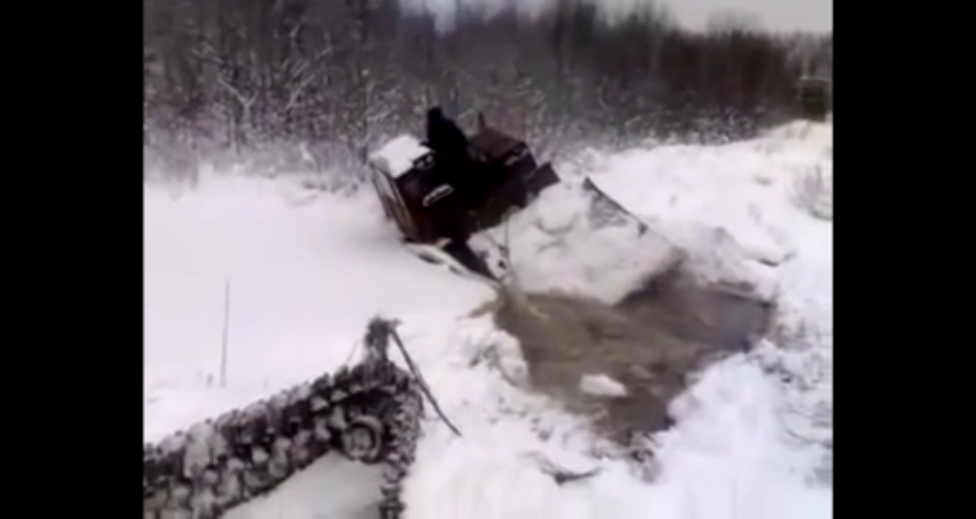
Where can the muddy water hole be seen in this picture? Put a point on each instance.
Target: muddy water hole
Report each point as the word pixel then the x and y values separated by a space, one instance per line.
pixel 650 342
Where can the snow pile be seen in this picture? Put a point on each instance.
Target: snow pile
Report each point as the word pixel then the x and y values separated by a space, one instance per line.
pixel 570 240
pixel 340 488
pixel 601 385
pixel 730 414
pixel 733 209
pixel 397 156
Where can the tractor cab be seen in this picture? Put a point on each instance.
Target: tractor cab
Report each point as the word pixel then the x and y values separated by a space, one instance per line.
pixel 412 189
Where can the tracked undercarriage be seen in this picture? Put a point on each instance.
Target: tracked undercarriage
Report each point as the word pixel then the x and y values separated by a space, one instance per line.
pixel 369 412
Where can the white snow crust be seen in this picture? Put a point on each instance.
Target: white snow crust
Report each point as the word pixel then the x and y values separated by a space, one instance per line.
pixel 397 156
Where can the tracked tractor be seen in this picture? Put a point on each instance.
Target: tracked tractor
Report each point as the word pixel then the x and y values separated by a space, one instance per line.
pixel 441 195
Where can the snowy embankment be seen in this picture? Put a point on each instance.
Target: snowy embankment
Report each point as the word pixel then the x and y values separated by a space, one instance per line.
pixel 305 274
pixel 306 270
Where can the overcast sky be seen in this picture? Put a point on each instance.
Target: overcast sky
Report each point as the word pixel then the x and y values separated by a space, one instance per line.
pixel 775 15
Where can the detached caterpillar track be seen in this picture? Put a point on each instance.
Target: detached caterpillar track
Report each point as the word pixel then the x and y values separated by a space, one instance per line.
pixel 370 413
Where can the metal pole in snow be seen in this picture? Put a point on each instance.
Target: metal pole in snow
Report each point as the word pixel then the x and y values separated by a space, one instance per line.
pixel 223 346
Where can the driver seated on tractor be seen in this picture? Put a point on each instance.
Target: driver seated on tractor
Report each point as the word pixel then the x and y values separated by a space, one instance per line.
pixel 450 147
pixel 446 139
pixel 454 163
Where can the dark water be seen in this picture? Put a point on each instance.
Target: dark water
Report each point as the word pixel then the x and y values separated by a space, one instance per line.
pixel 650 342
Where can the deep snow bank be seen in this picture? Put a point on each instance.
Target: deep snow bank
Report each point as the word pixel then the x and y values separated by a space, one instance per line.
pixel 308 269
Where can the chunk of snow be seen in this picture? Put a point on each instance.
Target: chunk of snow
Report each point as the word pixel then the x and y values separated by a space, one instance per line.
pixel 568 240
pixel 397 156
pixel 602 385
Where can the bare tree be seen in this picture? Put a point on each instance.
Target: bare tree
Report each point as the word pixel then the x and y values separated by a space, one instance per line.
pixel 344 74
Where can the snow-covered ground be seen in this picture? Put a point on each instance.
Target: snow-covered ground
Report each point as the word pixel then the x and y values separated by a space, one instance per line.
pixel 307 269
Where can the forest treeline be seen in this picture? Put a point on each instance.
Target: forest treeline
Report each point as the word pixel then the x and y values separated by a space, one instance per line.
pixel 342 74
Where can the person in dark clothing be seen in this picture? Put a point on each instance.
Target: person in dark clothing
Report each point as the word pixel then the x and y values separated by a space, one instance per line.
pixel 446 139
pixel 450 147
